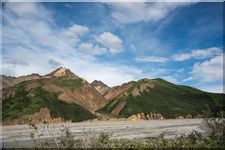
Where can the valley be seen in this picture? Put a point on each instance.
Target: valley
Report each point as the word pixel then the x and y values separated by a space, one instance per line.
pixel 119 129
pixel 112 74
pixel 65 97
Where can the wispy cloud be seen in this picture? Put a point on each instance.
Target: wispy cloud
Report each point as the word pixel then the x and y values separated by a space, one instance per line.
pixel 38 38
pixel 151 59
pixel 180 70
pixel 89 48
pixel 194 54
pixel 171 79
pixel 54 63
pixel 198 54
pixel 208 71
pixel 133 47
pixel 25 25
pixel 218 88
pixel 33 43
pixel 125 13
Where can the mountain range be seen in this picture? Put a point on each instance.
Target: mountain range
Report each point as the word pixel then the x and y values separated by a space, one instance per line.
pixel 63 94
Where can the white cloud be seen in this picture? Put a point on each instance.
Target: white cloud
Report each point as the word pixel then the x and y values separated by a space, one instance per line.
pixel 151 59
pixel 110 73
pixel 208 71
pixel 33 43
pixel 54 63
pixel 213 88
pixel 198 54
pixel 171 79
pixel 110 41
pixel 180 70
pixel 28 10
pixel 25 25
pixel 76 30
pixel 188 79
pixel 133 47
pixel 89 48
pixel 125 13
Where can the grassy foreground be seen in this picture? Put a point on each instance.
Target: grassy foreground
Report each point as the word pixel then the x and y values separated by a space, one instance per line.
pixel 216 139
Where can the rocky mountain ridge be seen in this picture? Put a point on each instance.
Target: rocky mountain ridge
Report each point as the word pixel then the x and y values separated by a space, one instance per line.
pixel 8 81
pixel 63 93
pixel 100 86
pixel 68 97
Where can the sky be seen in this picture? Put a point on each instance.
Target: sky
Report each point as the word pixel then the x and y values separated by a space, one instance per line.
pixel 116 42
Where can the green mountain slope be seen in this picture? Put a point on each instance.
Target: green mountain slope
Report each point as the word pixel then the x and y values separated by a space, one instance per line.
pixel 160 96
pixel 28 101
pixel 69 97
pixel 61 92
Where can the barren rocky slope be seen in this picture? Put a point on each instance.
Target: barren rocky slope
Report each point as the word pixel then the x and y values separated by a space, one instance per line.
pixel 8 81
pixel 100 86
pixel 68 97
pixel 53 91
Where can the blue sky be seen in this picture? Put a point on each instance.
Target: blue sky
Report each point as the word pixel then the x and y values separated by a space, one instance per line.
pixel 117 42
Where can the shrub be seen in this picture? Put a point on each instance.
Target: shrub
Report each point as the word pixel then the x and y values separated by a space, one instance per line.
pixel 215 139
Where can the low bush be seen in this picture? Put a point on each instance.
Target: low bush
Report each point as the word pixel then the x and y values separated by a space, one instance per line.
pixel 65 139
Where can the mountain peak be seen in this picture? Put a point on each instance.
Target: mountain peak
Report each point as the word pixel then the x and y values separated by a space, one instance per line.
pixel 99 82
pixel 100 86
pixel 62 72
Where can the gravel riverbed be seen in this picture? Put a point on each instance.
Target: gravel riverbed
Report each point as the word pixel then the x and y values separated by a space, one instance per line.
pixel 19 135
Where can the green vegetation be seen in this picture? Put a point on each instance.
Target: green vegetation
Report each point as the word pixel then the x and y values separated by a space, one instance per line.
pixel 72 84
pixel 27 102
pixel 168 99
pixel 165 98
pixel 112 105
pixel 65 139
